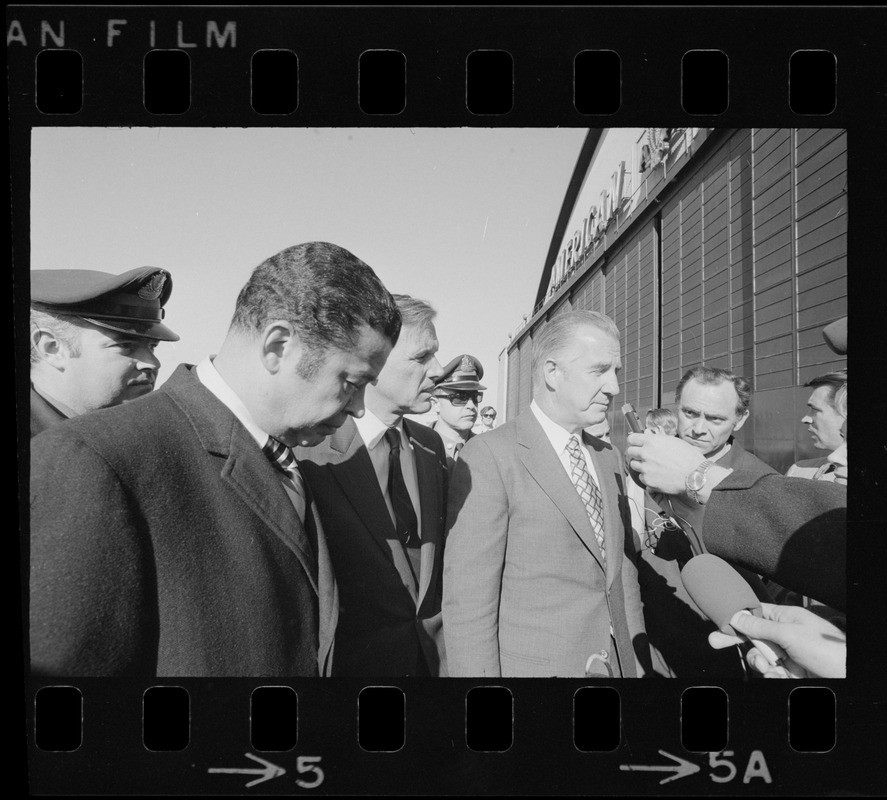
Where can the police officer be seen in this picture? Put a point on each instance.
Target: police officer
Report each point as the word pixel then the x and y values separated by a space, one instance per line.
pixel 92 339
pixel 458 394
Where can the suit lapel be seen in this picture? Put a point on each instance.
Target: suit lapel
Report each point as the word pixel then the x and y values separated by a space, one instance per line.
pixel 246 470
pixel 544 466
pixel 254 479
pixel 328 593
pixel 429 478
pixel 357 479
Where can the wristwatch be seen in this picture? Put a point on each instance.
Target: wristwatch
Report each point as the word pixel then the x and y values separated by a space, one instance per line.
pixel 696 480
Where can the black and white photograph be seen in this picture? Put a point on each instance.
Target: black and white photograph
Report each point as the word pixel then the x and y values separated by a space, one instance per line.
pixel 697 274
pixel 325 414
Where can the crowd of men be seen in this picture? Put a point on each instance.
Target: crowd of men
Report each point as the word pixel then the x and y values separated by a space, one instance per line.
pixel 278 510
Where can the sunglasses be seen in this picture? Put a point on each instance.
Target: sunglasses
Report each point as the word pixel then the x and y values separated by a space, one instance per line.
pixel 462 398
pixel 489 416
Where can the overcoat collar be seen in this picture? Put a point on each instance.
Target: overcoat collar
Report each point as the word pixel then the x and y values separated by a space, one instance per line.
pixel 246 469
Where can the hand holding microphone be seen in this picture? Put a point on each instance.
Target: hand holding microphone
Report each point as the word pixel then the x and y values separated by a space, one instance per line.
pixel 815 647
pixel 724 596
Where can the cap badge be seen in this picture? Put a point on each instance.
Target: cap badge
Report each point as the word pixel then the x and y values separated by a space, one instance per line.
pixel 152 288
pixel 467 364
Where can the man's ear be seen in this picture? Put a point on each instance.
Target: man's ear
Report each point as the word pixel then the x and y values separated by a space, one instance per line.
pixel 279 342
pixel 551 373
pixel 742 420
pixel 48 346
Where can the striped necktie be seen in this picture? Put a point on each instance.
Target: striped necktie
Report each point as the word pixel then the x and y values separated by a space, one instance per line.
pixel 283 459
pixel 588 493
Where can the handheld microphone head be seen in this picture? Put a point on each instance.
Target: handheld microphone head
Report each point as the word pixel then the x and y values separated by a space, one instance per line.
pixel 718 590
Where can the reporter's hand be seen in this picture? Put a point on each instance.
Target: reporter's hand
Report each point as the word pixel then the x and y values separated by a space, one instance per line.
pixel 663 462
pixel 815 647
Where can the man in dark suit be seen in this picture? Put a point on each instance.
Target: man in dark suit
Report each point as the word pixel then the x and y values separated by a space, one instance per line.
pixel 712 403
pixel 380 486
pixel 173 536
pixel 536 580
pixel 791 530
pixel 92 339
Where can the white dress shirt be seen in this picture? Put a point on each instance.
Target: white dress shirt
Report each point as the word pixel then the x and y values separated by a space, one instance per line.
pixel 372 431
pixel 209 376
pixel 559 438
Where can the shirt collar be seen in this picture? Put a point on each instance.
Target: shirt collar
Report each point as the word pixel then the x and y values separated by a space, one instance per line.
pixel 372 429
pixel 447 433
pixel 210 378
pixel 722 452
pixel 557 435
pixel 838 456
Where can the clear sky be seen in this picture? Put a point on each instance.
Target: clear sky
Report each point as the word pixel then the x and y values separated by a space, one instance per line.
pixel 461 217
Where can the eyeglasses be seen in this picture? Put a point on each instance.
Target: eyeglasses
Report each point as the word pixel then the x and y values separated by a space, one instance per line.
pixel 462 398
pixel 489 416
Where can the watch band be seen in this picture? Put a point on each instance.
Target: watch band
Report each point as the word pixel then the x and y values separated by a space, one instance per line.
pixel 693 486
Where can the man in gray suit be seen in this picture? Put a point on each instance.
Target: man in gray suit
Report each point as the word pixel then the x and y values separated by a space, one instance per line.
pixel 539 577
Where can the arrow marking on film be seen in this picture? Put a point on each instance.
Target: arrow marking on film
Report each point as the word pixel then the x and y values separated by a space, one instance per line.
pixel 681 768
pixel 267 773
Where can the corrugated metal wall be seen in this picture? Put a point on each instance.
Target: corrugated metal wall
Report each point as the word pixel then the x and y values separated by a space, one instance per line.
pixel 743 264
pixel 631 301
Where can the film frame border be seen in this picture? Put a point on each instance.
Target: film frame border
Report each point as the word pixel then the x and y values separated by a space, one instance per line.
pixel 649 42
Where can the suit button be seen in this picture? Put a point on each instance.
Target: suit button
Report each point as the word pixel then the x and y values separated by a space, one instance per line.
pixel 604 654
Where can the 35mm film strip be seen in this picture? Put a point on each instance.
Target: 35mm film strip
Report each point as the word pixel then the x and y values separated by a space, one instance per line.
pixel 299 69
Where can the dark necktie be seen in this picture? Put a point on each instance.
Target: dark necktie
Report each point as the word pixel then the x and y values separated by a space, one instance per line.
pixel 456 448
pixel 588 492
pixel 283 459
pixel 404 514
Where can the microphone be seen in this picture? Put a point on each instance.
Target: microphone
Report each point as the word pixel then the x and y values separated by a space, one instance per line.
pixel 720 592
pixel 696 545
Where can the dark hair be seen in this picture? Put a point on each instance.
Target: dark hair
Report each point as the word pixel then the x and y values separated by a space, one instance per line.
pixel 323 291
pixel 834 381
pixel 716 375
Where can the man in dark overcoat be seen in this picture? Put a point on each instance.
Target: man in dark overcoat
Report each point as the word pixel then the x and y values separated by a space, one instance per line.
pixel 174 536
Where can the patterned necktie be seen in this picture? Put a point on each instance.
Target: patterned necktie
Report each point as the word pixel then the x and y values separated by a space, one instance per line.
pixel 404 514
pixel 588 493
pixel 283 459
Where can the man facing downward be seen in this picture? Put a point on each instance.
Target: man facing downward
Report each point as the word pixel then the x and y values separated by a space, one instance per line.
pixel 457 396
pixel 536 582
pixel 380 487
pixel 172 536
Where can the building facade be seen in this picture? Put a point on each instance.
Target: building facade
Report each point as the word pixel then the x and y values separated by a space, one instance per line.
pixel 726 247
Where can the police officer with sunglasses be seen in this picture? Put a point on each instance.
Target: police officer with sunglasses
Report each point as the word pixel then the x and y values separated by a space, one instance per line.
pixel 458 394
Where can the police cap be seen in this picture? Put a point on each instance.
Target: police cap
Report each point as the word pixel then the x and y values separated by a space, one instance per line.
pixel 129 303
pixel 463 373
